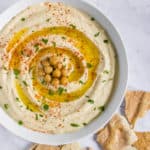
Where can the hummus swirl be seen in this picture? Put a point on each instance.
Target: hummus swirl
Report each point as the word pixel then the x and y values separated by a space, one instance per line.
pixel 39 33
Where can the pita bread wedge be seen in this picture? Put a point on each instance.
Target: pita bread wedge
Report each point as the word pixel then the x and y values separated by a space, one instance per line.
pixel 143 142
pixel 137 103
pixel 117 135
pixel 73 146
pixel 44 147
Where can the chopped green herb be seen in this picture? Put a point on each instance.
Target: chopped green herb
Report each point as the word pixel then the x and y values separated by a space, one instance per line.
pixel 47 20
pixel 4 68
pixel 87 96
pixel 1 87
pixel 84 124
pixel 91 101
pixel 74 125
pixel 16 72
pixel 97 34
pixel 104 81
pixel 106 71
pixel 110 79
pixel 36 46
pixel 36 117
pixel 89 65
pixel 60 90
pixel 81 82
pixel 105 41
pixel 66 100
pixel 54 44
pixel 30 69
pixel 92 18
pixel 25 83
pixel 21 52
pixel 45 40
pixel 40 115
pixel 94 108
pixel 17 99
pixel 45 107
pixel 43 81
pixel 50 92
pixel 23 19
pixel 101 108
pixel 20 122
pixel 63 37
pixel 64 59
pixel 73 26
pixel 6 106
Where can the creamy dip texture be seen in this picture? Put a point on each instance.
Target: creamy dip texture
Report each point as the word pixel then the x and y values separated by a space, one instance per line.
pixel 57 68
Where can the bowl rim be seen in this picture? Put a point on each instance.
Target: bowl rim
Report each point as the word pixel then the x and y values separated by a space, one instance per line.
pixel 116 99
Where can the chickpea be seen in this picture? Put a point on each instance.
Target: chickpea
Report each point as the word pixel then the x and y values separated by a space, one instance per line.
pixel 64 72
pixel 54 60
pixel 55 82
pixel 64 80
pixel 45 63
pixel 47 78
pixel 56 73
pixel 48 69
pixel 59 66
pixel 41 72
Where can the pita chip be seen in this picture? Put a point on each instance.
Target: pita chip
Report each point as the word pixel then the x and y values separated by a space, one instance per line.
pixel 143 142
pixel 137 103
pixel 117 135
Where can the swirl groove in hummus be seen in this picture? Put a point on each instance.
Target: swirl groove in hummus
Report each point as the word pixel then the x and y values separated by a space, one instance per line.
pixel 82 47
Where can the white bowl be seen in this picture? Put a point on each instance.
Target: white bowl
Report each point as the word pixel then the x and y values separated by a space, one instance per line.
pixel 117 94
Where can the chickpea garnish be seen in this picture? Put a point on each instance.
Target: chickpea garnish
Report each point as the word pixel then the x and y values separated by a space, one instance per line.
pixel 64 80
pixel 41 72
pixel 45 63
pixel 55 82
pixel 48 69
pixel 56 73
pixel 54 60
pixel 47 78
pixel 59 66
pixel 64 72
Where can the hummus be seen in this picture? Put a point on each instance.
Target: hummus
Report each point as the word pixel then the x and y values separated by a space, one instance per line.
pixel 57 68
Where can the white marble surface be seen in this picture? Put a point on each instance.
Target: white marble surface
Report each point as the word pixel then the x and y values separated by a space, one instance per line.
pixel 132 19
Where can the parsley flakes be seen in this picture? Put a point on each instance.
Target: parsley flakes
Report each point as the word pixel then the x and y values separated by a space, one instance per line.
pixel 45 107
pixel 73 26
pixel 47 20
pixel 89 65
pixel 36 117
pixel 50 92
pixel 105 41
pixel 97 34
pixel 92 19
pixel 20 122
pixel 45 41
pixel 1 87
pixel 74 125
pixel 54 44
pixel 60 90
pixel 25 83
pixel 91 101
pixel 81 82
pixel 23 19
pixel 6 106
pixel 16 72
pixel 101 108
pixel 36 46
pixel 105 71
